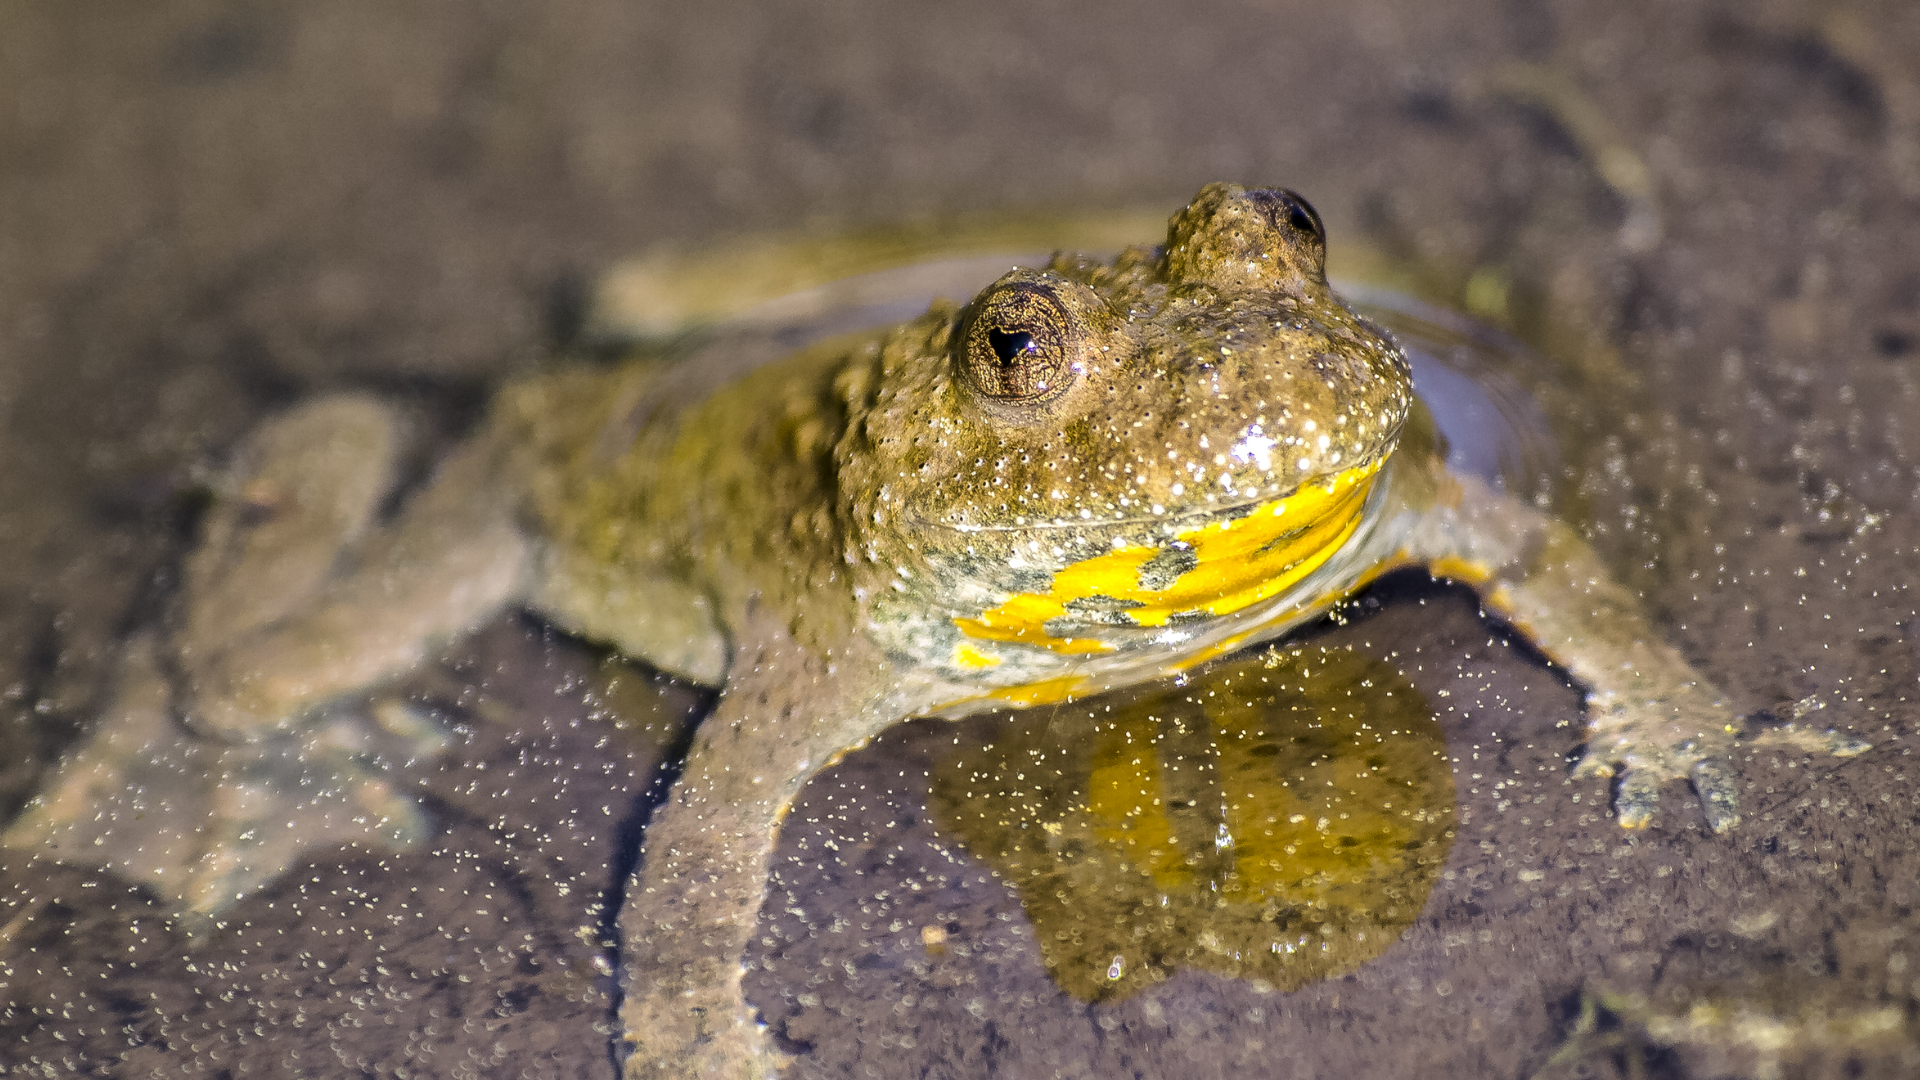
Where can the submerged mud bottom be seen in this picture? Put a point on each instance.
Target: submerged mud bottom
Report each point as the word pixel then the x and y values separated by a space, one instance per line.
pixel 486 943
pixel 886 941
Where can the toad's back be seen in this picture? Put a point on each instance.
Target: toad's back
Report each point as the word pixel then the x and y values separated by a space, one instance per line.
pixel 663 500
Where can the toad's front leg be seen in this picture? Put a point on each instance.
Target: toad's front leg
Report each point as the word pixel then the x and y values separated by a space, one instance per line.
pixel 1652 718
pixel 787 712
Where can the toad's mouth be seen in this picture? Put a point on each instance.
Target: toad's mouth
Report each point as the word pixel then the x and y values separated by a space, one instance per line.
pixel 1220 565
pixel 1168 523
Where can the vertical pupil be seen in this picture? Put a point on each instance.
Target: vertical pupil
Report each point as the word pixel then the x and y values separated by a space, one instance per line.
pixel 1009 345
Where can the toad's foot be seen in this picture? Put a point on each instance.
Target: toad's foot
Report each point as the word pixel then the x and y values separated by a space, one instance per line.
pixel 203 823
pixel 1689 733
pixel 297 599
pixel 1686 733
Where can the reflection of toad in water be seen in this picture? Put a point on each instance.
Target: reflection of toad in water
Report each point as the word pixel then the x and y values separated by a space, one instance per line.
pixel 1279 817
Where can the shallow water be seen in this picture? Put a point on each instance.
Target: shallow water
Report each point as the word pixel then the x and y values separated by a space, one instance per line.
pixel 212 209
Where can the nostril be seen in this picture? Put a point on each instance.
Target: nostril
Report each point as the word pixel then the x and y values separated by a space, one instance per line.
pixel 1297 215
pixel 1266 239
pixel 1289 212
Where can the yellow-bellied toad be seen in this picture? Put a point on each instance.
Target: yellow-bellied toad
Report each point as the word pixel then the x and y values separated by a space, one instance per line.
pixel 1091 474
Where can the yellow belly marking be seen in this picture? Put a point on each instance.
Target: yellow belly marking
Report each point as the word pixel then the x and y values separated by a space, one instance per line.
pixel 1236 563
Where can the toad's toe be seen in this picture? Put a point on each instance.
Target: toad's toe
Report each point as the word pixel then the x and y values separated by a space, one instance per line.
pixel 1825 741
pixel 1638 798
pixel 1719 795
pixel 127 798
pixel 1592 766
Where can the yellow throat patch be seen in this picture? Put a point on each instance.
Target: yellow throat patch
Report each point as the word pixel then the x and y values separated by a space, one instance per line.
pixel 1227 565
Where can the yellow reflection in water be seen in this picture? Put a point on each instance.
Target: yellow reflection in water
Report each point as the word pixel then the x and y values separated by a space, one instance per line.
pixel 1278 817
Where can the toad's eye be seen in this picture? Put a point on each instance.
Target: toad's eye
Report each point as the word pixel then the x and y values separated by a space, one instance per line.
pixel 1022 344
pixel 1011 346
